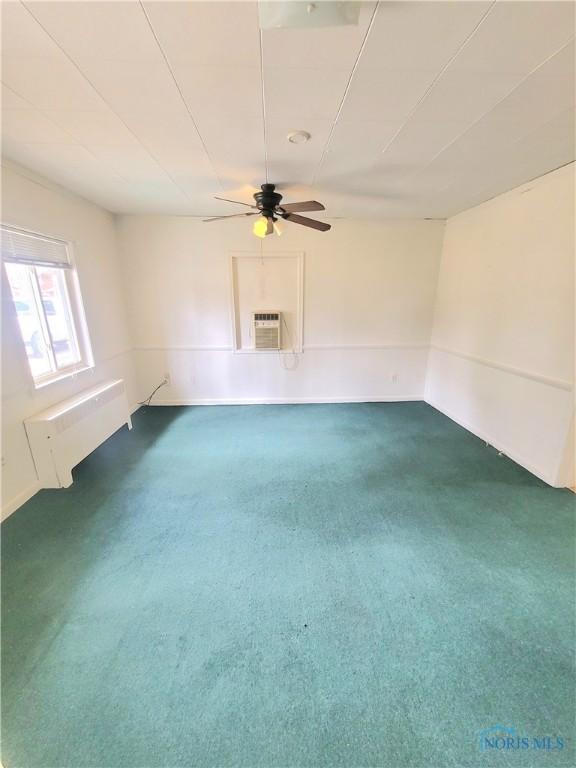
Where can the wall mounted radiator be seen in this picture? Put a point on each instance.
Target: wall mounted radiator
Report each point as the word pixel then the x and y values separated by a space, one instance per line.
pixel 66 433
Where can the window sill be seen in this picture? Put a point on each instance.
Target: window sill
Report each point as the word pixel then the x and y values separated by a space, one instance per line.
pixel 61 375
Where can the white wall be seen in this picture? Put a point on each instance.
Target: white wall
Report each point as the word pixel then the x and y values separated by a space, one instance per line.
pixel 32 202
pixel 502 355
pixel 368 302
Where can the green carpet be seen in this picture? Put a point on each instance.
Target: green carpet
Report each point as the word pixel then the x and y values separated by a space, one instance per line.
pixel 265 586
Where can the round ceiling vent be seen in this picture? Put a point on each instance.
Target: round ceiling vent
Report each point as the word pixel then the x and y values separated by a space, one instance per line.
pixel 298 137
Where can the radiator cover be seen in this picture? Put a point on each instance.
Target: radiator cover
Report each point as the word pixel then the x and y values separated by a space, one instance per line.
pixel 61 436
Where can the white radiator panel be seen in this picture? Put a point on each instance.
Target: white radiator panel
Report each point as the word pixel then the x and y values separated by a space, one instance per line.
pixel 66 433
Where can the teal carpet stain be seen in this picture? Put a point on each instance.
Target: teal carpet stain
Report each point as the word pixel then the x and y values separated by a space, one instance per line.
pixel 273 586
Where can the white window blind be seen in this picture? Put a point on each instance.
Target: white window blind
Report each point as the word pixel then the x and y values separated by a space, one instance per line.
pixel 21 247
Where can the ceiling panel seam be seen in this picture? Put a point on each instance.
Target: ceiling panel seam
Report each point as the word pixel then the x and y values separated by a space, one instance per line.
pixel 91 84
pixel 176 83
pixel 76 143
pixel 345 94
pixel 524 79
pixel 511 189
pixel 439 75
pixel 17 168
pixel 263 91
pixel 513 144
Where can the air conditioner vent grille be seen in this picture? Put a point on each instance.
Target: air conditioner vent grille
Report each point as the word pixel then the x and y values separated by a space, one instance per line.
pixel 266 330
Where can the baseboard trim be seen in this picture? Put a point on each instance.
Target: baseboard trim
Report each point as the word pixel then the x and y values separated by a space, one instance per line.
pixel 289 400
pixel 501 447
pixel 15 503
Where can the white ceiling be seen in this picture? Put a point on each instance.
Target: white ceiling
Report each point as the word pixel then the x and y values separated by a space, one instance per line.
pixel 422 110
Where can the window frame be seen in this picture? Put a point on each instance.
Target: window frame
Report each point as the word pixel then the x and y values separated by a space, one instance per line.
pixel 76 310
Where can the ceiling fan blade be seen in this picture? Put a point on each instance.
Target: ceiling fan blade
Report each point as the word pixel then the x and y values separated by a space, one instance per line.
pixel 306 222
pixel 232 216
pixel 270 227
pixel 237 202
pixel 309 205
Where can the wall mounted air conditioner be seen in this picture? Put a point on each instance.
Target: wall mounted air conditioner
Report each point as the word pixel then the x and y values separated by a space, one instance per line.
pixel 266 326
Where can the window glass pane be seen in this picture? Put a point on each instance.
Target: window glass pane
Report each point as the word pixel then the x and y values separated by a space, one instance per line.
pixel 54 293
pixel 20 278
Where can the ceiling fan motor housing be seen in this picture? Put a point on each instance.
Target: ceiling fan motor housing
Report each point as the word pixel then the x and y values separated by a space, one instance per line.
pixel 269 207
pixel 267 200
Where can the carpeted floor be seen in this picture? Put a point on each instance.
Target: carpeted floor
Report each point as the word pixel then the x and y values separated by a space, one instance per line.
pixel 266 586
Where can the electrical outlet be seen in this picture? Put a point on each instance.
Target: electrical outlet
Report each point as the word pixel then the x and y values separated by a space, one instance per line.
pixel 167 378
pixel 394 378
pixel 3 461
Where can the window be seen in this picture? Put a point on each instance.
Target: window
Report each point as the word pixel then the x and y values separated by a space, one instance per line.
pixel 47 302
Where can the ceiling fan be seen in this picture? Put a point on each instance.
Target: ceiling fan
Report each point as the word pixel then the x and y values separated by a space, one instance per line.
pixel 269 208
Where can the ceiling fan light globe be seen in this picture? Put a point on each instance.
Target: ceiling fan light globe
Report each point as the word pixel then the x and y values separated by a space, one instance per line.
pixel 260 227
